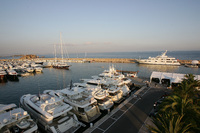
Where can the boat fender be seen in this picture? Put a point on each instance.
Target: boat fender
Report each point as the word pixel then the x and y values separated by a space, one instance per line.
pixel 91 125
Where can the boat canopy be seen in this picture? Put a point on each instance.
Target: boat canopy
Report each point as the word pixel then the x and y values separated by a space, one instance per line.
pixel 173 77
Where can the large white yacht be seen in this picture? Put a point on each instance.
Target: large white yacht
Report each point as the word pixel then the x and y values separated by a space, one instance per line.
pixel 84 105
pixel 51 113
pixel 162 59
pixel 15 120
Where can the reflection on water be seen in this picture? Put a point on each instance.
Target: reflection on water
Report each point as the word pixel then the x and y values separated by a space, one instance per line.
pixel 161 68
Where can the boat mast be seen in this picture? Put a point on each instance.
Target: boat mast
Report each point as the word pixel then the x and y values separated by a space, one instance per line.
pixel 61 46
pixel 55 53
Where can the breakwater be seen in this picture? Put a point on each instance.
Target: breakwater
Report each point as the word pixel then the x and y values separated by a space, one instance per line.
pixel 108 60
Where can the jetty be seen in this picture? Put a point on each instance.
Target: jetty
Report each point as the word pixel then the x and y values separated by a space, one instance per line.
pixel 90 60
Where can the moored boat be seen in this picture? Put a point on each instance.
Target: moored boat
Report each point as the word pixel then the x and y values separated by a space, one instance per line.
pixel 15 120
pixel 51 113
pixel 162 59
pixel 84 105
pixel 12 75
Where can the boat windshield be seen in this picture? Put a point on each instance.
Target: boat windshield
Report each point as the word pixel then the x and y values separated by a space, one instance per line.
pixel 101 101
pixel 88 108
pixel 113 94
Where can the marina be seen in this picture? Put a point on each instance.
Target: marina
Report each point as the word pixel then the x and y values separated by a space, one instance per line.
pixel 98 90
pixel 99 66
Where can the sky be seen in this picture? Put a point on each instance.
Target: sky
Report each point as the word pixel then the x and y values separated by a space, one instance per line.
pixel 93 26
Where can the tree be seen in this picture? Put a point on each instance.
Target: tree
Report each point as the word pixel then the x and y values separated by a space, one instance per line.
pixel 168 123
pixel 179 112
pixel 187 87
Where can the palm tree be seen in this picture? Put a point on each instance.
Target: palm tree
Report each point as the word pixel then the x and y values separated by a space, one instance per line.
pixel 187 87
pixel 178 106
pixel 182 109
pixel 168 123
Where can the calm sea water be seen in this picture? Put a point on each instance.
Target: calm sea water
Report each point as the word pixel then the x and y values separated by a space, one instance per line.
pixel 51 78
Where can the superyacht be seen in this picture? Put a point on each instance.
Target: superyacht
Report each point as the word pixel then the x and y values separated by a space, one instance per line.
pixel 162 59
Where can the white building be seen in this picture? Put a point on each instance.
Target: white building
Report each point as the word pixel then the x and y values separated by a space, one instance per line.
pixel 169 78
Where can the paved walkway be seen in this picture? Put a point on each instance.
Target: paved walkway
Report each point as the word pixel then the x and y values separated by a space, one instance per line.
pixel 131 115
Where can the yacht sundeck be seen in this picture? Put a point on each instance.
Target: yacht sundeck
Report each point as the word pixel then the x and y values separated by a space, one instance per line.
pixel 15 120
pixel 160 60
pixel 84 105
pixel 51 113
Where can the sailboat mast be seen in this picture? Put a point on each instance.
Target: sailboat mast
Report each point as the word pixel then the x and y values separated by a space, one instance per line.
pixel 55 53
pixel 61 46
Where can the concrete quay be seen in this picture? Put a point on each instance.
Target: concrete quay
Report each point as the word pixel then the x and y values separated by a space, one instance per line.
pixel 132 115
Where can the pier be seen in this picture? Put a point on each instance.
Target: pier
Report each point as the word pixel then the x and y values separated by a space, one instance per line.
pixel 93 60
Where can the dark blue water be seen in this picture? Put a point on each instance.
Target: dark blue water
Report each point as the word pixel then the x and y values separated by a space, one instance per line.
pixel 51 78
pixel 181 55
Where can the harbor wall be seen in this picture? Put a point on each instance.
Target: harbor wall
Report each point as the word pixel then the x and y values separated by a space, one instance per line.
pixel 109 60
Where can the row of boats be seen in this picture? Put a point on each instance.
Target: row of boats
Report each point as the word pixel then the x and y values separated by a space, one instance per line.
pixel 11 69
pixel 68 109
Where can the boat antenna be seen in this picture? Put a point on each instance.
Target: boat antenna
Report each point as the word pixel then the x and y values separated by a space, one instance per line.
pixel 61 46
pixel 70 86
pixel 55 53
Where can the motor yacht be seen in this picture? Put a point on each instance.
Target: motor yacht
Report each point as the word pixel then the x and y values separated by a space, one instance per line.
pixel 15 120
pixel 104 102
pixel 38 69
pixel 162 59
pixel 84 105
pixel 115 93
pixel 110 72
pixel 125 89
pixel 12 74
pixel 30 69
pixel 103 99
pixel 51 113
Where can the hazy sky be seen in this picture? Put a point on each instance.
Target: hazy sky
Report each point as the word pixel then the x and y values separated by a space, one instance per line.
pixel 34 26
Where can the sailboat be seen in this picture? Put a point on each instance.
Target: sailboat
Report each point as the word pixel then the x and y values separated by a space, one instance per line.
pixel 61 64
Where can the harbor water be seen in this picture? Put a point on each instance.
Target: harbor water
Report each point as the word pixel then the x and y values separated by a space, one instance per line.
pixel 53 79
